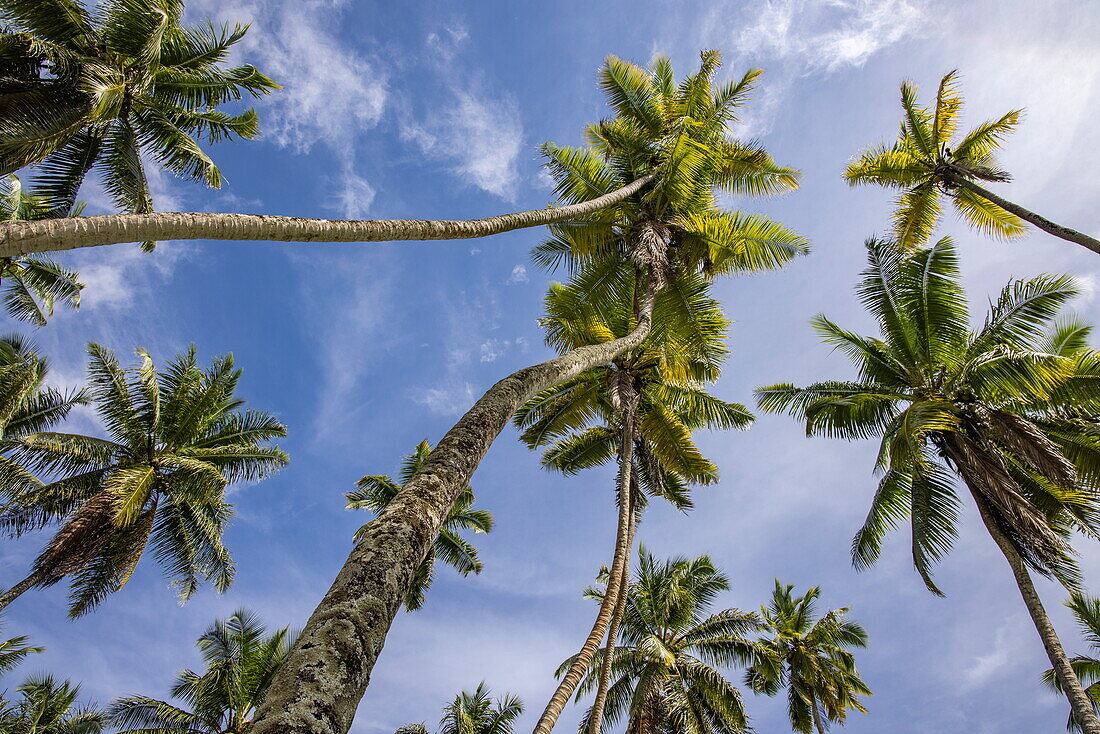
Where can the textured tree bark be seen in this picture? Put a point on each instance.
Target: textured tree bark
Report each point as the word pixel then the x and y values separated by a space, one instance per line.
pixel 26 584
pixel 1065 233
pixel 22 238
pixel 1078 700
pixel 819 723
pixel 318 688
pixel 623 542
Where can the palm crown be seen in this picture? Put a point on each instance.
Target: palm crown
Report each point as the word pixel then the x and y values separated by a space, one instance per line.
pixel 809 656
pixel 122 81
pixel 475 713
pixel 49 706
pixel 665 667
pixel 176 440
pixel 925 152
pixel 378 490
pixel 240 657
pixel 1004 406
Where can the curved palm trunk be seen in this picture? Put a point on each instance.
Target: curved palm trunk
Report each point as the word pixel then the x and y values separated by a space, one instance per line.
pixel 1065 233
pixel 35 579
pixel 21 238
pixel 1078 700
pixel 623 542
pixel 318 688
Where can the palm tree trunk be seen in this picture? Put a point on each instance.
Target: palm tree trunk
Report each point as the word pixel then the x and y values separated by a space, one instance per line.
pixel 50 235
pixel 819 723
pixel 36 578
pixel 1065 233
pixel 623 543
pixel 318 688
pixel 1078 700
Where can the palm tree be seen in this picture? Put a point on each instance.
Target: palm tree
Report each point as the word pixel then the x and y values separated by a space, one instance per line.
pixel 475 713
pixel 13 650
pixel 1087 611
pixel 927 165
pixel 666 666
pixel 240 660
pixel 674 174
pixel 47 706
pixel 177 439
pixel 1008 409
pixel 809 656
pixel 378 490
pixel 34 283
pixel 642 407
pixel 110 87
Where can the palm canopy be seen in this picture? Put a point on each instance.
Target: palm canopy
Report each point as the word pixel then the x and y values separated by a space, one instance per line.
pixel 1010 407
pixel 810 657
pixel 927 149
pixel 666 666
pixel 33 284
pixel 475 713
pixel 48 706
pixel 240 657
pixel 176 439
pixel 104 88
pixel 1087 612
pixel 578 419
pixel 378 490
pixel 678 133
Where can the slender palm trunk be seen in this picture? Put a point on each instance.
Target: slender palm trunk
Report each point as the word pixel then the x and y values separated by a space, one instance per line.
pixel 21 238
pixel 1079 701
pixel 623 542
pixel 1065 233
pixel 36 578
pixel 318 688
pixel 815 709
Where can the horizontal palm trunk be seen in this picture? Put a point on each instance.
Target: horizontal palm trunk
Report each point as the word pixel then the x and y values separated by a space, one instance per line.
pixel 35 579
pixel 317 689
pixel 51 235
pixel 1079 701
pixel 1065 233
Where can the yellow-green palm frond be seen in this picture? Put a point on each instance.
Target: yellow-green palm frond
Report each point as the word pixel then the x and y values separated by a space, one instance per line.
pixel 887 165
pixel 916 215
pixel 917 123
pixel 748 169
pixel 730 242
pixel 629 90
pixel 982 142
pixel 948 106
pixel 987 217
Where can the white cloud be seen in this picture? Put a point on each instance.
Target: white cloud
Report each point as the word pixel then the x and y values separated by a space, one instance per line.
pixel 519 275
pixel 452 398
pixel 355 196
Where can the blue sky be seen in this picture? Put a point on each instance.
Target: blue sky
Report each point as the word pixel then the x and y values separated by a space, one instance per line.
pixel 435 109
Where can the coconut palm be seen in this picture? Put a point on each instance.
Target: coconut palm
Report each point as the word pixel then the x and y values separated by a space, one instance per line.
pixel 1087 611
pixel 33 284
pixel 176 440
pixel 115 86
pixel 928 164
pixel 47 706
pixel 378 490
pixel 809 656
pixel 642 407
pixel 13 650
pixel 667 664
pixel 240 657
pixel 673 168
pixel 1008 409
pixel 475 713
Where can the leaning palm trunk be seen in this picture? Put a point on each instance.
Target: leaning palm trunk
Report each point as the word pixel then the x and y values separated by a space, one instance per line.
pixel 318 688
pixel 1065 233
pixel 37 577
pixel 1079 701
pixel 815 709
pixel 22 238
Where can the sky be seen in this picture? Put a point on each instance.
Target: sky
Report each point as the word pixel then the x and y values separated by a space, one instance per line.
pixel 435 110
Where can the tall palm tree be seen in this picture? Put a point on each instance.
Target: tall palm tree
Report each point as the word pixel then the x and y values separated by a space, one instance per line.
pixel 809 656
pixel 642 407
pixel 678 166
pixel 475 713
pixel 927 163
pixel 111 87
pixel 666 667
pixel 378 490
pixel 176 440
pixel 13 650
pixel 1087 611
pixel 240 657
pixel 34 283
pixel 1008 409
pixel 47 706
